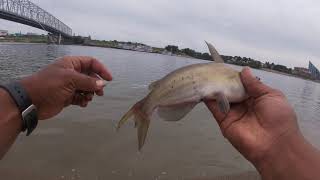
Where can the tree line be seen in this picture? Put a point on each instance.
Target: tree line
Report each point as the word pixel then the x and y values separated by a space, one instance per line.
pixel 237 60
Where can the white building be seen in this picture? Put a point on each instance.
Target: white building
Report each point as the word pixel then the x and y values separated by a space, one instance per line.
pixel 143 48
pixel 3 33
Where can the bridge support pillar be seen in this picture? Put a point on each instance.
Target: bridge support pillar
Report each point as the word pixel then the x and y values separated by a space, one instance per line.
pixel 54 39
pixel 59 40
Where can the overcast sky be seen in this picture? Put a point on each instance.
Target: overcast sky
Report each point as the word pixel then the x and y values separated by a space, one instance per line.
pixel 280 31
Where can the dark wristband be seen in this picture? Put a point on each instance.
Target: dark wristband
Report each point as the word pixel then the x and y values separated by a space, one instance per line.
pixel 27 109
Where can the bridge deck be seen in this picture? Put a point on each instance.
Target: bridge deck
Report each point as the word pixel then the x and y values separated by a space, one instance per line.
pixel 26 12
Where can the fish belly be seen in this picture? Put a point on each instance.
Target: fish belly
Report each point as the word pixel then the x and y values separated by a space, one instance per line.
pixel 187 93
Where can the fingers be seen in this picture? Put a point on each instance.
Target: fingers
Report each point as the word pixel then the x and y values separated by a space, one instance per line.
pixel 236 112
pixel 85 86
pixel 81 100
pixel 89 64
pixel 86 83
pixel 214 109
pixel 254 87
pixel 98 92
pixel 89 96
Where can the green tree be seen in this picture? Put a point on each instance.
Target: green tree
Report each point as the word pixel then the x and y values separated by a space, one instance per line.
pixel 189 52
pixel 173 49
pixel 206 56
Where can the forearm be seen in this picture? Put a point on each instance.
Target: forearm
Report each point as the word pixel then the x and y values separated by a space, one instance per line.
pixel 10 122
pixel 296 159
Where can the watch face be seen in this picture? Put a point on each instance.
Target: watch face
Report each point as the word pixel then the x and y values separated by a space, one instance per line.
pixel 28 110
pixel 30 119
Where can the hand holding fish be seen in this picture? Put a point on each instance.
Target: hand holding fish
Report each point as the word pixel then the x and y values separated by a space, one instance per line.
pixel 256 119
pixel 264 129
pixel 176 94
pixel 260 122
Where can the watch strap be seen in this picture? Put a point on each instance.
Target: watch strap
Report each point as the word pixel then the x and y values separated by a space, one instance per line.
pixel 18 94
pixel 21 98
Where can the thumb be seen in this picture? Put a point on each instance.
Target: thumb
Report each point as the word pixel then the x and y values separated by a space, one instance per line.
pixel 86 83
pixel 254 87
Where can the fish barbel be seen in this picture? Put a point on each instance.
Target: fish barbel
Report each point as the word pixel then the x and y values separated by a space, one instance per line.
pixel 176 94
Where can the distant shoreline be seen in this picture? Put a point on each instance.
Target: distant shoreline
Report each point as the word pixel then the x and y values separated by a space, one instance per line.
pixel 291 75
pixel 184 56
pixel 9 42
pixel 262 69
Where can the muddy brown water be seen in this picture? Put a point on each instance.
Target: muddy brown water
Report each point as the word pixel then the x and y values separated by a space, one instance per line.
pixel 83 144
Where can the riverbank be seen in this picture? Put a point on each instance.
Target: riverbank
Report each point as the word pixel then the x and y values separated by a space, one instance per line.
pixel 25 39
pixel 291 75
pixel 168 50
pixel 234 60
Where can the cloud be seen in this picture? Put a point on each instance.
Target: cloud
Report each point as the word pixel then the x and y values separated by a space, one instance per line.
pixel 281 31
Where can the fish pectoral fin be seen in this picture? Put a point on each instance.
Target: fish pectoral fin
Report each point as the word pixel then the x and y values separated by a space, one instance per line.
pixel 223 103
pixel 214 53
pixel 175 112
pixel 153 85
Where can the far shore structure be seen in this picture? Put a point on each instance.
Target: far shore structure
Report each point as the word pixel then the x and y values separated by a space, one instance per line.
pixel 311 72
pixel 314 71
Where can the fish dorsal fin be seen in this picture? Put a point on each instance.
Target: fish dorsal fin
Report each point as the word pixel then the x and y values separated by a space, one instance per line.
pixel 154 85
pixel 176 112
pixel 214 53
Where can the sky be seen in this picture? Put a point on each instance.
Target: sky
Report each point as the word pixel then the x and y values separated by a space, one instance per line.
pixel 280 31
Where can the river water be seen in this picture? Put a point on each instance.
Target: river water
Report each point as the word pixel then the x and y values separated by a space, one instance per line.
pixel 83 144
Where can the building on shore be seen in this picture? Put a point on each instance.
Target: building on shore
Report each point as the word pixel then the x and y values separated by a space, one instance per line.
pixel 134 47
pixel 143 48
pixel 302 72
pixel 315 73
pixel 3 33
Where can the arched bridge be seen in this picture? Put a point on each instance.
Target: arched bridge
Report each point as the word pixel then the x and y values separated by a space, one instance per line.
pixel 26 12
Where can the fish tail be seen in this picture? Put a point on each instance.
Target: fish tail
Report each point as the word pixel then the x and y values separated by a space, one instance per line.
pixel 141 120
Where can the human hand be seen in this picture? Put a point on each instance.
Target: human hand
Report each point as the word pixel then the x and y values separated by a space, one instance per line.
pixel 259 124
pixel 61 84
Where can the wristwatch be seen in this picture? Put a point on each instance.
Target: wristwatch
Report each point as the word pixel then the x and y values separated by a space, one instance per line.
pixel 28 111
